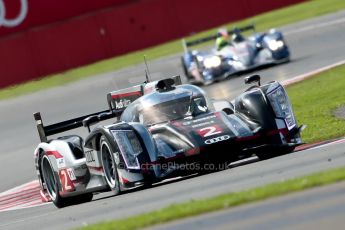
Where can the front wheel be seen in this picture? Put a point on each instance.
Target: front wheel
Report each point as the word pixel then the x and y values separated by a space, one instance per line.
pixel 109 165
pixel 51 182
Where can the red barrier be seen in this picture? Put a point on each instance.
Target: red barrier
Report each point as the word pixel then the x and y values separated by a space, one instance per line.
pixel 35 48
pixel 41 12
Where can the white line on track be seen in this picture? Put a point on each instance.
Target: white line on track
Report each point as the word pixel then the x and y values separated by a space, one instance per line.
pixel 328 144
pixel 28 205
pixel 316 26
pixel 310 74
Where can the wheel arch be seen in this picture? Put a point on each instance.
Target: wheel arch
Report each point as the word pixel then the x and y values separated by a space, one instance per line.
pixel 54 151
pixel 93 139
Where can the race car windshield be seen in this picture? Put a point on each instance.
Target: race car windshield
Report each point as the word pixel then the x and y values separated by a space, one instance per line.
pixel 172 110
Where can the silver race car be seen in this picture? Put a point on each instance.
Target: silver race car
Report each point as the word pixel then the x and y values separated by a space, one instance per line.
pixel 158 127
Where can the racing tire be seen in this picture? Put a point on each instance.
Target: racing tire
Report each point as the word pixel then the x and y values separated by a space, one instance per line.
pixel 82 198
pixel 109 165
pixel 51 181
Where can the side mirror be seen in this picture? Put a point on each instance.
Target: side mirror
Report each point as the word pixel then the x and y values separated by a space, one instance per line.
pixel 90 121
pixel 253 79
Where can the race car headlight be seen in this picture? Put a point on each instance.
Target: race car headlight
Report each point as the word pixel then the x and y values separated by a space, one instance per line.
pixel 274 45
pixel 212 62
pixel 281 106
pixel 129 147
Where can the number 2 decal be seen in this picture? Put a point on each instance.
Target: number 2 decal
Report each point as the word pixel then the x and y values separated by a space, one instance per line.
pixel 66 182
pixel 210 131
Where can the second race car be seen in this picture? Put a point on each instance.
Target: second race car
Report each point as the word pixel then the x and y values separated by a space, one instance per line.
pixel 233 56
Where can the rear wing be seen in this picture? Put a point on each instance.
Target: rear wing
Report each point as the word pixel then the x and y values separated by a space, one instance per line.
pixel 187 44
pixel 45 131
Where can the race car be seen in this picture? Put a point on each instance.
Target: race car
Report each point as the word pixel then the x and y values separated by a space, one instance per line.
pixel 156 128
pixel 239 55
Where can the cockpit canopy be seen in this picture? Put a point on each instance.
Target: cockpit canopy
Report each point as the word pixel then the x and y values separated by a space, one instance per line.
pixel 159 107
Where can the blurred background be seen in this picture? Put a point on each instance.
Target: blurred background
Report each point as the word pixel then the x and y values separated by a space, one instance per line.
pixel 39 37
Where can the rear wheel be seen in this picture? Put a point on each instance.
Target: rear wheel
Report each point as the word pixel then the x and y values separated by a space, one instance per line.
pixel 51 181
pixel 109 165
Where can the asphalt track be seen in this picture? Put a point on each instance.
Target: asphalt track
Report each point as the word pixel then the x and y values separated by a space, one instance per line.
pixel 314 44
pixel 317 209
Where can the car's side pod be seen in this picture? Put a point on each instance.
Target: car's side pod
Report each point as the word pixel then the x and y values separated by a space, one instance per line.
pixel 252 106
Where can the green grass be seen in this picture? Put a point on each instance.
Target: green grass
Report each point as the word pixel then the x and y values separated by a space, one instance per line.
pixel 196 207
pixel 264 21
pixel 314 101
